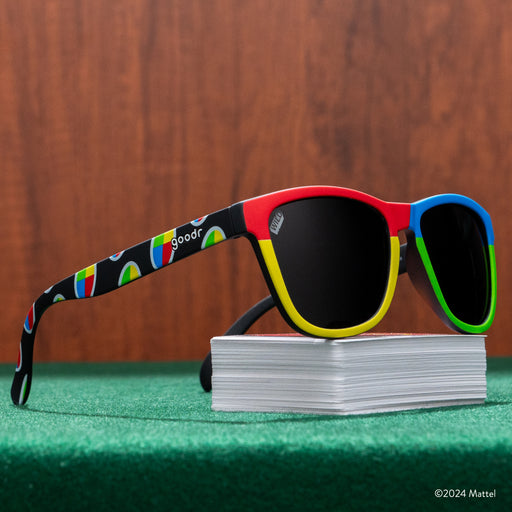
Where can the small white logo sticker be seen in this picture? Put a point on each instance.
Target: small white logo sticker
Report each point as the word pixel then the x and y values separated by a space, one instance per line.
pixel 277 222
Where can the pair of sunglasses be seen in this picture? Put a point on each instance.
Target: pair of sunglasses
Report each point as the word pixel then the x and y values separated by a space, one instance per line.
pixel 330 256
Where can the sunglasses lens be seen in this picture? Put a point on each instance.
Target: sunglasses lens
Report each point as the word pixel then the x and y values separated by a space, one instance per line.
pixel 456 242
pixel 334 255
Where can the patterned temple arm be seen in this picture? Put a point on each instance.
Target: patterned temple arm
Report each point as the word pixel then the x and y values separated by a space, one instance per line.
pixel 120 269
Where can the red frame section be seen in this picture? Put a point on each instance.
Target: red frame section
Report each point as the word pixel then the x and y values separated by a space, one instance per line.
pixel 257 210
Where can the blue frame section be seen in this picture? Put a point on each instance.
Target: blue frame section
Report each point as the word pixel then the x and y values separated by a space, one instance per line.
pixel 419 207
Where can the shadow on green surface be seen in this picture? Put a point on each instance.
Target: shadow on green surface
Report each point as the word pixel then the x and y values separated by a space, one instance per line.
pixel 256 417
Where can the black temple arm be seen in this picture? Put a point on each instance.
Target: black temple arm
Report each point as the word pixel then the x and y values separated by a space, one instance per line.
pixel 402 268
pixel 120 269
pixel 241 326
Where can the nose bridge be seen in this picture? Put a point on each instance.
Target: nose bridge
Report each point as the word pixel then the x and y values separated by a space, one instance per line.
pixel 398 216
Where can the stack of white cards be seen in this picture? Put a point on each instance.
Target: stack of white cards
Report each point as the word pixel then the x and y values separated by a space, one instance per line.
pixel 359 375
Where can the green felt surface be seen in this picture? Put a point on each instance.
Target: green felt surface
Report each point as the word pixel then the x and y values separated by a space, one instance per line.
pixel 142 436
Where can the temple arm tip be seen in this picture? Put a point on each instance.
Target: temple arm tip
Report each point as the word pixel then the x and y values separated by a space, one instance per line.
pixel 205 375
pixel 20 388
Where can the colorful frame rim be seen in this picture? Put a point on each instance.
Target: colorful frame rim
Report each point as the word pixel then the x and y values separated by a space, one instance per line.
pixel 399 216
pixel 417 210
pixel 257 213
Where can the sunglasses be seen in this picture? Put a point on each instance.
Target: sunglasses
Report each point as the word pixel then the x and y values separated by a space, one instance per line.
pixel 330 256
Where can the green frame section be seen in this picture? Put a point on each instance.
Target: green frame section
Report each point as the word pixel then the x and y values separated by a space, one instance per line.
pixel 469 328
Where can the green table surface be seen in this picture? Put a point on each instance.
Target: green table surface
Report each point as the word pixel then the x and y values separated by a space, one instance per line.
pixel 142 436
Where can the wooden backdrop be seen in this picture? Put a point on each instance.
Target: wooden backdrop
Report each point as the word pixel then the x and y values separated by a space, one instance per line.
pixel 122 119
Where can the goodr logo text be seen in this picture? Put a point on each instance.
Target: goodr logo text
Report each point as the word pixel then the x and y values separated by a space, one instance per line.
pixel 178 240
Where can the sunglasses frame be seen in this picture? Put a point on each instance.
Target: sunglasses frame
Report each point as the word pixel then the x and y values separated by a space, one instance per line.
pixel 257 213
pixel 430 287
pixel 399 217
pixel 250 219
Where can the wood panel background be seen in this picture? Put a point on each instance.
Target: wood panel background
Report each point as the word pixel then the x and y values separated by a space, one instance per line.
pixel 122 119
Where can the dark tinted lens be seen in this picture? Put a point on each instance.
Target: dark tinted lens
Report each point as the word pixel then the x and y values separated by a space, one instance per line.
pixel 457 246
pixel 334 255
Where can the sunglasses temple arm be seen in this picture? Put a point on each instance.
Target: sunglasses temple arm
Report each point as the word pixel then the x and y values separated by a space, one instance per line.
pixel 402 267
pixel 118 270
pixel 241 326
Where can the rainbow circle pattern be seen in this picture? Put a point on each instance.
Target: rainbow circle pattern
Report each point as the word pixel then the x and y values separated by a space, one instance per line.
pixel 161 249
pixel 213 236
pixel 20 359
pixel 31 319
pixel 199 221
pixel 130 272
pixel 116 256
pixel 85 282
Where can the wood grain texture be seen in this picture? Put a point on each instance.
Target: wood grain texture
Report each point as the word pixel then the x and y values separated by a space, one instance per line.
pixel 121 119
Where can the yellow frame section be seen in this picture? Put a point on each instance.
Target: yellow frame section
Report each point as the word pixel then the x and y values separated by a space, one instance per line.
pixel 269 256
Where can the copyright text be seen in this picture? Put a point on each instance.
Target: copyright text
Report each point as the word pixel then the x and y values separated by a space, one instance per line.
pixel 464 493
